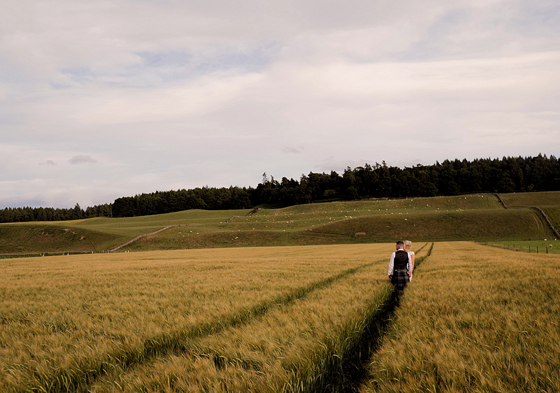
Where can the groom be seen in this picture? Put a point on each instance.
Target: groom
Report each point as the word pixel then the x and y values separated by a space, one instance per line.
pixel 398 268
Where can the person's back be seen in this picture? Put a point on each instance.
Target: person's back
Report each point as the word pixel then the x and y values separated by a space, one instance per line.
pixel 398 268
pixel 401 260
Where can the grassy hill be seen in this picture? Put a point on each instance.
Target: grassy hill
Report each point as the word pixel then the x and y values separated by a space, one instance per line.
pixel 527 199
pixel 48 238
pixel 553 214
pixel 468 217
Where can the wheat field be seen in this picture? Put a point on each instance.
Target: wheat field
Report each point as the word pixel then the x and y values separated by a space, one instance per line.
pixel 474 319
pixel 281 319
pixel 66 320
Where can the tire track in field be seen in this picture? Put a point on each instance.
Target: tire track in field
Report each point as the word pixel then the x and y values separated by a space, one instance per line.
pixel 85 371
pixel 344 366
pixel 346 357
pixel 348 371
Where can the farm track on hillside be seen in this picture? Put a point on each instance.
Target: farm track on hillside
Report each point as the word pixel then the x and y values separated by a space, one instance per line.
pixel 145 235
pixel 86 370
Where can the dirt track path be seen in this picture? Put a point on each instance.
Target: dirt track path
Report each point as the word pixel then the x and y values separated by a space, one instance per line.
pixel 146 234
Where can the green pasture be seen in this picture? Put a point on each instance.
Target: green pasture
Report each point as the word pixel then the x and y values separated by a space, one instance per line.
pixel 541 246
pixel 553 214
pixel 55 237
pixel 97 234
pixel 467 217
pixel 526 199
pixel 478 225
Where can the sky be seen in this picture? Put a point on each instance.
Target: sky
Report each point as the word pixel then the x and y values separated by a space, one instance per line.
pixel 111 98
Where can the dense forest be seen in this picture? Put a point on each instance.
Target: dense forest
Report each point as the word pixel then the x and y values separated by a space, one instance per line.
pixel 540 173
pixel 24 214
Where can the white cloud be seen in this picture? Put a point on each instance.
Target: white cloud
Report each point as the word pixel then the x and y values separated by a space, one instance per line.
pixel 82 159
pixel 173 94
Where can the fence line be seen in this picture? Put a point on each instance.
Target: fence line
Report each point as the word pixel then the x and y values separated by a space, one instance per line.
pixel 547 220
pixel 501 200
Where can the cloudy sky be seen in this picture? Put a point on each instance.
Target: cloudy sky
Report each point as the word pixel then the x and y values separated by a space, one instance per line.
pixel 110 98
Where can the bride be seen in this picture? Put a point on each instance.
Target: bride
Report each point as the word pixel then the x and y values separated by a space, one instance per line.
pixel 407 248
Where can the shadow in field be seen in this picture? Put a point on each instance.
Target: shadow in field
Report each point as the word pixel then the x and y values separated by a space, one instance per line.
pixel 355 369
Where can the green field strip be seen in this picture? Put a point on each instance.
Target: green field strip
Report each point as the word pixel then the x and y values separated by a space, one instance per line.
pixel 296 347
pixel 553 214
pixel 144 235
pixel 441 226
pixel 476 319
pixel 529 246
pixel 85 370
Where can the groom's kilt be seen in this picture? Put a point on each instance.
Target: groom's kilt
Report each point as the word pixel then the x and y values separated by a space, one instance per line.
pixel 400 278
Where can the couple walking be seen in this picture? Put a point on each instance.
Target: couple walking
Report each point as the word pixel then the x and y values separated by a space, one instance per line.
pixel 401 265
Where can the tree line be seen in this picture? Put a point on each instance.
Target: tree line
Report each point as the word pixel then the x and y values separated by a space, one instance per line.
pixel 25 214
pixel 509 174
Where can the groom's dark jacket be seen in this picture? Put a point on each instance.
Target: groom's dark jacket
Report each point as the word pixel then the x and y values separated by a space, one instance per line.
pixel 401 260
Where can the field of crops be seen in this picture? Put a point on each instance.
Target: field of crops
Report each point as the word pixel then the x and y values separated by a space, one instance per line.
pixel 475 318
pixel 69 320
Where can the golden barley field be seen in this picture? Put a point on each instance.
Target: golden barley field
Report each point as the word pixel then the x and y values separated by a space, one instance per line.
pixel 474 319
pixel 281 319
pixel 68 320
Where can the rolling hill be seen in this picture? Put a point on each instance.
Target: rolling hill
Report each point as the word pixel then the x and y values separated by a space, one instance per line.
pixel 467 217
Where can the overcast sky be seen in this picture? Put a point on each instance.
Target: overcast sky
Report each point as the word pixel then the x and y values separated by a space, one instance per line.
pixel 110 98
